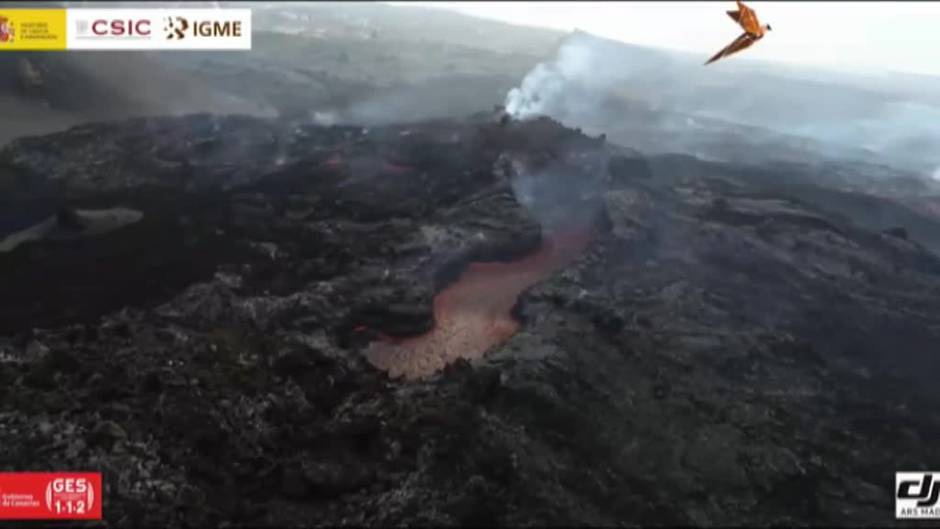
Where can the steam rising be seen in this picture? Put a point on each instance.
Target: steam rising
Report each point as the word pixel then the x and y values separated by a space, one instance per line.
pixel 569 85
pixel 563 193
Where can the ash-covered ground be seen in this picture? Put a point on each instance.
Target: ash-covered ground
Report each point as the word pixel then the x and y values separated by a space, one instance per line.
pixel 714 353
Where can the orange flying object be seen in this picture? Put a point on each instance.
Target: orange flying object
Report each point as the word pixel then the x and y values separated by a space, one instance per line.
pixel 753 32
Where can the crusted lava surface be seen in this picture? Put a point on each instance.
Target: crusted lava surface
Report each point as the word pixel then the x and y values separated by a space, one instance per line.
pixel 475 313
pixel 712 354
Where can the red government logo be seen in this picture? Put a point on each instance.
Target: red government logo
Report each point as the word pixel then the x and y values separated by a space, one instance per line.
pixel 70 495
pixel 6 30
pixel 50 496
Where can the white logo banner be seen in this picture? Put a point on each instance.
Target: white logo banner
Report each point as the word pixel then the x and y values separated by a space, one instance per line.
pixel 158 29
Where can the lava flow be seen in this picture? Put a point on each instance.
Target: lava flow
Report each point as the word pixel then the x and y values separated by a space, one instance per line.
pixel 474 314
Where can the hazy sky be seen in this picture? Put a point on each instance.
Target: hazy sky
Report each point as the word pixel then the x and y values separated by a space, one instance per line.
pixel 900 36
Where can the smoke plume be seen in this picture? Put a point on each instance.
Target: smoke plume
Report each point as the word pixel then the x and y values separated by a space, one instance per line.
pixel 581 74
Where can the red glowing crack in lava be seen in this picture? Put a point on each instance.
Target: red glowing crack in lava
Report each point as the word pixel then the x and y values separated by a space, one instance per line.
pixel 474 314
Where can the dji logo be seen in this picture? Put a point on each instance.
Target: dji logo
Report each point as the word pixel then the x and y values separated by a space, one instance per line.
pixel 917 494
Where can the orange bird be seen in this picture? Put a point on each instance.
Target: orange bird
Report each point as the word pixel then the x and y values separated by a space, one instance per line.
pixel 753 32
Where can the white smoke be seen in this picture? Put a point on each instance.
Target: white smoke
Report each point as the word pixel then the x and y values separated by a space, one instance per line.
pixel 543 83
pixel 582 72
pixel 936 174
pixel 524 187
pixel 324 119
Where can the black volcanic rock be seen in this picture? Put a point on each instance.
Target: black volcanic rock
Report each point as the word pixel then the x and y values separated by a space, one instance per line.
pixel 718 355
pixel 898 231
pixel 68 218
pixel 623 169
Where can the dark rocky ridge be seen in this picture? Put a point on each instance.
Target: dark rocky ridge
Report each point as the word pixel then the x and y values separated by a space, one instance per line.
pixel 719 355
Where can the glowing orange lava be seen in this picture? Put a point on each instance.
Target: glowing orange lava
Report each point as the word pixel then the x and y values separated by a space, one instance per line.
pixel 474 314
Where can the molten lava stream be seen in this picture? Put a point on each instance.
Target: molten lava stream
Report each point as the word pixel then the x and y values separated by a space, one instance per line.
pixel 474 314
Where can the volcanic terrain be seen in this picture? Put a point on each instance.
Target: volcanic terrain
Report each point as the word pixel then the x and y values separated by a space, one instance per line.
pixel 473 321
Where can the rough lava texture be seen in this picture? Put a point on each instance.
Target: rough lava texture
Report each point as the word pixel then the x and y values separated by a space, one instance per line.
pixel 475 313
pixel 716 354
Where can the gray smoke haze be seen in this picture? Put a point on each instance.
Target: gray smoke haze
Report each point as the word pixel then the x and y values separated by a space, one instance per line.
pixel 43 93
pixel 661 101
pixel 453 96
pixel 560 193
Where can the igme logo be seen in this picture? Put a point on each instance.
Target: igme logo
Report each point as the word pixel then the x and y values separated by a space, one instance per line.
pixel 917 494
pixel 178 28
pixel 219 29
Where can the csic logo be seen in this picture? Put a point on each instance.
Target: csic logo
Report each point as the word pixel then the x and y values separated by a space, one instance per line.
pixel 6 30
pixel 917 494
pixel 107 27
pixel 121 28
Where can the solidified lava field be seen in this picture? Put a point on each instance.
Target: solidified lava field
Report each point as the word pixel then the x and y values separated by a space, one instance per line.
pixel 414 325
pixel 474 314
